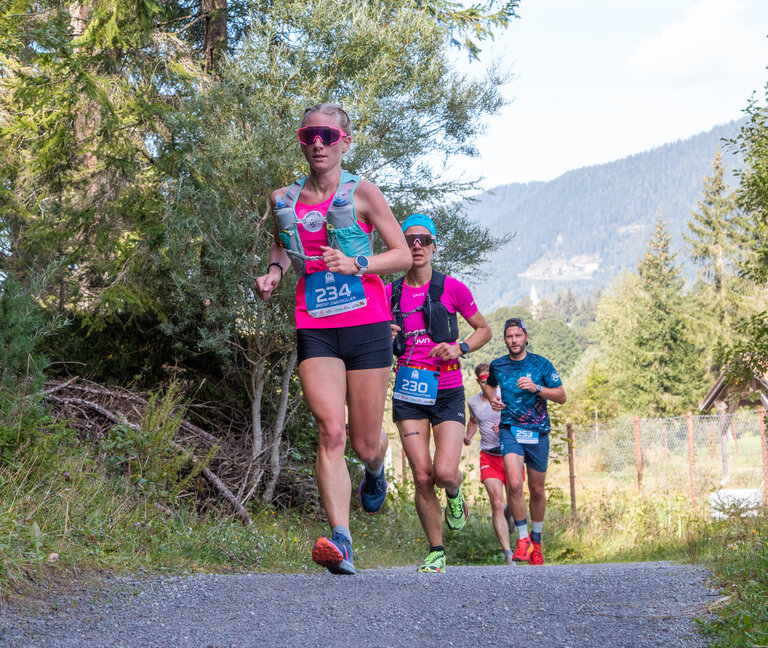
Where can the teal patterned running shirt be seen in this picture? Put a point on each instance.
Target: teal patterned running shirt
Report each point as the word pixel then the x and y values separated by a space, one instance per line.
pixel 523 409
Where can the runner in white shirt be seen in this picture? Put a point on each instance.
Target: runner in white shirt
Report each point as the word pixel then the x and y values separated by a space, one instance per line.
pixel 492 473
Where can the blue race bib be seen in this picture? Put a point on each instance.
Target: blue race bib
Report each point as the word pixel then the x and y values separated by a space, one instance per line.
pixel 524 436
pixel 416 385
pixel 330 293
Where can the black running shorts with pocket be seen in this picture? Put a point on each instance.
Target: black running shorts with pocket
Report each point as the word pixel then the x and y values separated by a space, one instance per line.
pixel 448 406
pixel 367 346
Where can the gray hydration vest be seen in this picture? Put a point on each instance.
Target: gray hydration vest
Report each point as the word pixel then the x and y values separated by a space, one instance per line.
pixel 344 232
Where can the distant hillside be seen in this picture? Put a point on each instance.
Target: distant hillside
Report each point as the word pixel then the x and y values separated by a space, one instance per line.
pixel 581 229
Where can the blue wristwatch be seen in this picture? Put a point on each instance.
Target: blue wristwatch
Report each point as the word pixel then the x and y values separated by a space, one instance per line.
pixel 362 263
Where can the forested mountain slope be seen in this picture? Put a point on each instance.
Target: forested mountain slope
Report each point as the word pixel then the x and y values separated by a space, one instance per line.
pixel 582 228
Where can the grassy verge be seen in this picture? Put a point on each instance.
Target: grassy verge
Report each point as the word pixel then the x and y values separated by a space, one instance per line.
pixel 64 514
pixel 737 552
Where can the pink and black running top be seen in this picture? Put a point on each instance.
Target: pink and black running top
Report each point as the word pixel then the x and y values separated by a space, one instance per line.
pixel 457 299
pixel 313 234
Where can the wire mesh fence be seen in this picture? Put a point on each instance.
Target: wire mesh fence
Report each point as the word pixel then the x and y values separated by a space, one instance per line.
pixel 687 455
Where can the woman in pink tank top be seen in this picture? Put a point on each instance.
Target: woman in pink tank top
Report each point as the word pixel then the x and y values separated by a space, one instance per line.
pixel 428 396
pixel 343 333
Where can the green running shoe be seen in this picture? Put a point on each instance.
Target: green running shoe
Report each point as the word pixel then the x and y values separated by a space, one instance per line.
pixel 433 563
pixel 456 511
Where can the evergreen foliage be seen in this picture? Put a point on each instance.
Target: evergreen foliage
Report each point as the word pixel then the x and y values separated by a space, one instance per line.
pixel 749 352
pixel 22 326
pixel 558 343
pixel 714 232
pixel 646 338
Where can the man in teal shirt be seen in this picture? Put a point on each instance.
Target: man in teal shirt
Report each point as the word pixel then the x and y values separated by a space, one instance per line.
pixel 526 382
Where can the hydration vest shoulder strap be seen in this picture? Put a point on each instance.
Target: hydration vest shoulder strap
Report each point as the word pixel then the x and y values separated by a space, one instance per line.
pixel 397 293
pixel 436 285
pixel 292 195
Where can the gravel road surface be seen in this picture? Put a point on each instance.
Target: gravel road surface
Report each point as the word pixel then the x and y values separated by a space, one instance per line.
pixel 635 605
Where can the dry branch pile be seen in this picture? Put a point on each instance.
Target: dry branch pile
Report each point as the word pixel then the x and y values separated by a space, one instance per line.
pixel 93 409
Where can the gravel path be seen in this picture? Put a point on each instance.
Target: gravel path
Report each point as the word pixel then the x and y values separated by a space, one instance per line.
pixel 635 605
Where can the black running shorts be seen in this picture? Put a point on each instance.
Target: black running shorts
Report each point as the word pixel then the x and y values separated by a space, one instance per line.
pixel 448 406
pixel 367 346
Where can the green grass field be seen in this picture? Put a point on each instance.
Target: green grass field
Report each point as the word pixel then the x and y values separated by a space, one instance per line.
pixel 64 515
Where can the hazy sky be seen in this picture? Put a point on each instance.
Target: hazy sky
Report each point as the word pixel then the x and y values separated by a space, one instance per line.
pixel 597 80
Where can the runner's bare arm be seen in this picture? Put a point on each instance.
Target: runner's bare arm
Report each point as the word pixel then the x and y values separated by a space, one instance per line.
pixel 556 394
pixel 480 336
pixel 266 284
pixel 490 393
pixel 471 430
pixel 372 207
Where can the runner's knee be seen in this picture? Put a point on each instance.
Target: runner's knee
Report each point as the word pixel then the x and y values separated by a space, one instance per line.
pixel 444 476
pixel 367 449
pixel 332 438
pixel 537 490
pixel 497 504
pixel 515 485
pixel 423 479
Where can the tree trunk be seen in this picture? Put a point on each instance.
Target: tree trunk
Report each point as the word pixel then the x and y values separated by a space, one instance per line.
pixel 257 436
pixel 214 32
pixel 79 12
pixel 274 455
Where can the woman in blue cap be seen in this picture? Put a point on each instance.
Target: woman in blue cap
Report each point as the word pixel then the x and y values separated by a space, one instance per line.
pixel 428 393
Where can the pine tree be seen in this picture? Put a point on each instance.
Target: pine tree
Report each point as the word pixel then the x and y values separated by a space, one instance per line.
pixel 749 352
pixel 668 374
pixel 712 242
pixel 647 344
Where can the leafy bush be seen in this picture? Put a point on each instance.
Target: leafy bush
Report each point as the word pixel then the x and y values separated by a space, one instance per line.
pixel 22 326
pixel 147 455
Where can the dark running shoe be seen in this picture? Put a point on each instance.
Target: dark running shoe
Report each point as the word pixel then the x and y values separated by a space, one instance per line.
pixel 335 554
pixel 372 492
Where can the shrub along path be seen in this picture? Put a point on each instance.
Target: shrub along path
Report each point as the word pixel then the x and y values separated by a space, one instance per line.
pixel 635 605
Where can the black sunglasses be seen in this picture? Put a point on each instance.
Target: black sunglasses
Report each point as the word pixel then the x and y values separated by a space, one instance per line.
pixel 423 239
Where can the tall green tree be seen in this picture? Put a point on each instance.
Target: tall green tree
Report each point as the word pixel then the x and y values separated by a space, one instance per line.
pixel 749 352
pixel 85 90
pixel 646 336
pixel 713 232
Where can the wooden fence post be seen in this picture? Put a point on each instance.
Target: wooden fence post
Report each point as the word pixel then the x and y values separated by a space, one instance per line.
pixel 691 452
pixel 764 445
pixel 723 420
pixel 571 467
pixel 638 455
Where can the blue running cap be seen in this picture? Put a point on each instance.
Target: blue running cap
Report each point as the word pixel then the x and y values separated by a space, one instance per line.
pixel 420 219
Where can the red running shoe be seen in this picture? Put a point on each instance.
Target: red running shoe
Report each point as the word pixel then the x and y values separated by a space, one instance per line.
pixel 335 554
pixel 536 558
pixel 523 551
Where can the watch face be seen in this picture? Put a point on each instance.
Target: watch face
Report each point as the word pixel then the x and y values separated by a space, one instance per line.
pixel 361 261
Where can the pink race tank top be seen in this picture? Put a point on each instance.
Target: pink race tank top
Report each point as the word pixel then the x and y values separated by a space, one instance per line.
pixel 313 235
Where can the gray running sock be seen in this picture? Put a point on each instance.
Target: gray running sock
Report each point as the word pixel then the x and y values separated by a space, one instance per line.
pixel 374 473
pixel 342 531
